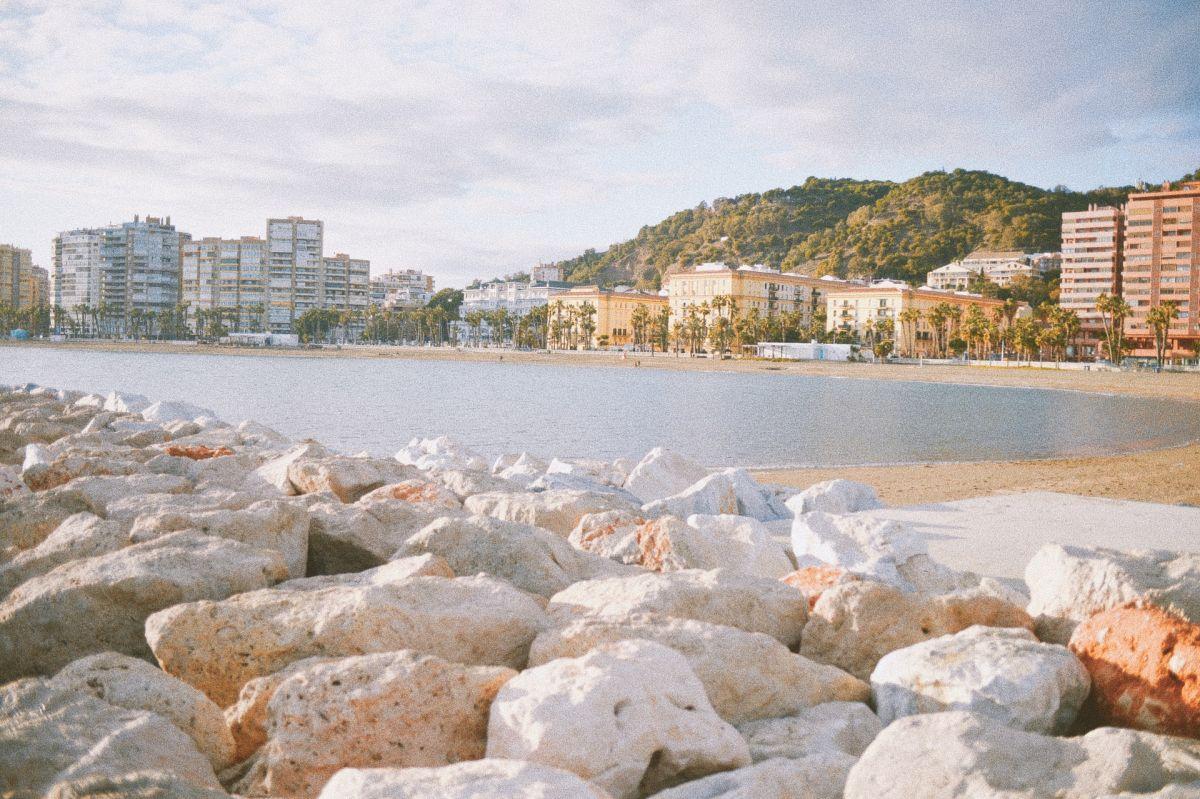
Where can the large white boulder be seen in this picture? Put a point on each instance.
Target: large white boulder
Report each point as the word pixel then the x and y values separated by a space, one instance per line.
pixel 1068 584
pixel 558 511
pixel 663 473
pixel 1005 674
pixel 754 604
pixel 845 727
pixel 728 492
pixel 440 454
pixel 529 557
pixel 219 646
pixel 347 478
pixel 134 684
pixel 346 538
pixel 745 675
pixel 611 474
pixel 386 709
pixel 611 534
pixel 739 543
pixel 955 755
pixel 523 470
pixel 51 735
pixel 818 776
pixel 120 402
pixel 630 717
pixel 275 471
pixel 174 411
pixel 835 496
pixel 100 603
pixel 492 778
pixel 83 535
pixel 854 624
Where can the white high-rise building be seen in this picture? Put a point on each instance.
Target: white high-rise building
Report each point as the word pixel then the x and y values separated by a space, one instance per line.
pixel 401 288
pixel 229 275
pixel 140 269
pixel 295 266
pixel 75 278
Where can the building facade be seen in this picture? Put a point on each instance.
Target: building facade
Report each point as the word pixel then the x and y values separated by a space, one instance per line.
pixel 227 276
pixel 951 277
pixel 546 273
pixel 516 297
pixel 39 286
pixel 401 289
pixel 614 312
pixel 1092 254
pixel 16 277
pixel 999 267
pixel 1161 263
pixel 140 266
pixel 769 291
pixel 295 262
pixel 858 310
pixel 75 279
pixel 346 284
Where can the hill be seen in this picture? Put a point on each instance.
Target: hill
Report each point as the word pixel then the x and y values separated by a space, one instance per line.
pixel 849 228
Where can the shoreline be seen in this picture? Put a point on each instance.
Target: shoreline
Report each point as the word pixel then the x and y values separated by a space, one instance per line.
pixel 1169 474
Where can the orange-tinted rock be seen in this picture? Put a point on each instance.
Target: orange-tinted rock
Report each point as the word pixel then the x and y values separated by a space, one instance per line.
pixel 655 545
pixel 417 492
pixel 812 580
pixel 1145 667
pixel 198 452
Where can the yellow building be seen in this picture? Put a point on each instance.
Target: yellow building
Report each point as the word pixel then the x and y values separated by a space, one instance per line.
pixel 850 308
pixel 769 291
pixel 16 277
pixel 613 319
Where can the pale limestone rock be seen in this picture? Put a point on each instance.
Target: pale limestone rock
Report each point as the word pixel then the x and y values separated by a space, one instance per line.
pixel 136 685
pixel 247 718
pixel 35 455
pixel 818 776
pixel 346 538
pixel 558 511
pixel 83 535
pixel 49 735
pixel 25 521
pixel 100 603
pixel 348 478
pixel 630 717
pixel 270 524
pixel 745 675
pixel 440 454
pixel 530 558
pixel 11 486
pixel 1005 674
pixel 855 624
pixel 275 471
pixel 121 402
pixel 387 709
pixel 417 492
pixel 524 470
pixel 492 778
pixel 835 496
pixel 165 411
pixel 728 492
pixel 846 727
pixel 578 481
pixel 136 785
pixel 754 604
pixel 101 491
pixel 611 534
pixel 391 572
pixel 66 468
pixel 610 474
pixel 219 646
pixel 739 543
pixel 469 482
pixel 661 474
pixel 1068 584
pixel 958 754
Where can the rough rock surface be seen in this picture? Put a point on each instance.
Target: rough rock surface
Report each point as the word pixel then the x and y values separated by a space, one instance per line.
pixel 137 685
pixel 1145 667
pixel 754 604
pixel 728 492
pixel 1069 584
pixel 855 624
pixel 83 535
pixel 137 785
pixel 530 558
pixel 386 709
pixel 813 580
pixel 347 478
pixel 818 776
pixel 99 604
pixel 558 511
pixel 846 727
pixel 630 717
pixel 611 534
pixel 219 646
pixel 492 778
pixel 835 496
pixel 745 675
pixel 1005 674
pixel 348 538
pixel 417 492
pixel 956 755
pixel 662 473
pixel 50 735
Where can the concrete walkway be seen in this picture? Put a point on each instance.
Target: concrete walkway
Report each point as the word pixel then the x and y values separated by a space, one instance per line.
pixel 998 535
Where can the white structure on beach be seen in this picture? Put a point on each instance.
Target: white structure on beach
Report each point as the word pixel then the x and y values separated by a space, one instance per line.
pixel 803 351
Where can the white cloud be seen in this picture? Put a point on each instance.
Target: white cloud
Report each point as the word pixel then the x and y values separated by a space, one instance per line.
pixel 473 139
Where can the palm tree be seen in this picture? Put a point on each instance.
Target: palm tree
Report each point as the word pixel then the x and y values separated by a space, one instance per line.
pixel 909 318
pixel 1159 318
pixel 1113 311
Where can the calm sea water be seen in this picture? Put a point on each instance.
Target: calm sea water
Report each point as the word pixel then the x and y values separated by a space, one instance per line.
pixel 719 418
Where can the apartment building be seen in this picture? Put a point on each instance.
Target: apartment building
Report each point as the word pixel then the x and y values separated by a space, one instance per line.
pixel 1092 242
pixel 401 288
pixel 850 308
pixel 546 273
pixel 345 283
pixel 999 267
pixel 1160 263
pixel 39 286
pixel 951 277
pixel 614 310
pixel 769 291
pixel 75 279
pixel 515 296
pixel 16 277
pixel 295 262
pixel 140 266
pixel 229 275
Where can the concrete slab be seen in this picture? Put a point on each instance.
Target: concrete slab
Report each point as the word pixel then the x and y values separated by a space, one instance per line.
pixel 998 535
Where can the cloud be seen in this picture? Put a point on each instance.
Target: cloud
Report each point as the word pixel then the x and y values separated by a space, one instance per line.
pixel 474 139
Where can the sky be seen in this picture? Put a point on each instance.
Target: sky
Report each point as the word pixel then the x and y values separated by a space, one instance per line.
pixel 473 139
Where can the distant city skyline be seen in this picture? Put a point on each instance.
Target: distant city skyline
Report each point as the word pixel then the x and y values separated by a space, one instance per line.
pixel 473 142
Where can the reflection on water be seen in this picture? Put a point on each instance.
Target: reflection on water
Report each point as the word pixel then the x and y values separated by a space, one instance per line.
pixel 719 418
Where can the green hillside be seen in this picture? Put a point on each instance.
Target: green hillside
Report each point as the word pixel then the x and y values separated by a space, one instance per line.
pixel 849 228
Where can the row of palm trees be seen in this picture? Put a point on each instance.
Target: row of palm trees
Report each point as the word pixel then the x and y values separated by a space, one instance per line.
pixel 1114 310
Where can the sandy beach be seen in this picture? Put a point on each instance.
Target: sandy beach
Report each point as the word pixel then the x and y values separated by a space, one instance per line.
pixel 1165 475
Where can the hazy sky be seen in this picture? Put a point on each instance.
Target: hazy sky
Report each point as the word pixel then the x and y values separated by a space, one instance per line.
pixel 472 139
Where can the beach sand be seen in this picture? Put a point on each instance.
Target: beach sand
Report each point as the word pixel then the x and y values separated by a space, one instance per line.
pixel 1168 475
